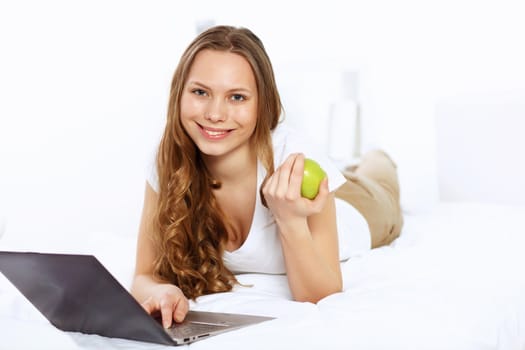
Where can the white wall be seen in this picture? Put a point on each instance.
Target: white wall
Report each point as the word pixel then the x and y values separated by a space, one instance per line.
pixel 84 88
pixel 480 148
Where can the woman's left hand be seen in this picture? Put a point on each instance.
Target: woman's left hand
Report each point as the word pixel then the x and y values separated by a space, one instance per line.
pixel 282 191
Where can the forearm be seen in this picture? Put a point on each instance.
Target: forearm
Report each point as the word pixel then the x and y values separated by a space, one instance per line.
pixel 310 275
pixel 308 232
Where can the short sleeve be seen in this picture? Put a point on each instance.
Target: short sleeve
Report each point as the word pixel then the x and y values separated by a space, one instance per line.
pixel 287 141
pixel 152 177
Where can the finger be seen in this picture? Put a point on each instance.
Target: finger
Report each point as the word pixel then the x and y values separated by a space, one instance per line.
pixel 166 310
pixel 148 305
pixel 323 187
pixel 181 309
pixel 284 175
pixel 296 177
pixel 269 186
pixel 322 195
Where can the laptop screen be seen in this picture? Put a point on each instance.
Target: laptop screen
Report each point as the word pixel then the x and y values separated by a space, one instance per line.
pixel 77 293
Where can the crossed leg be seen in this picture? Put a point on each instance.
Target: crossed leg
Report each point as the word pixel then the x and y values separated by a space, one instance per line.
pixel 373 189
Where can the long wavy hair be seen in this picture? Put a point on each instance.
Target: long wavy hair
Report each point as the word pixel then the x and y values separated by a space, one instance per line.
pixel 191 229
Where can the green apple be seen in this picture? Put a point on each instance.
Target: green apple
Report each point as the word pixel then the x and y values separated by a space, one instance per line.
pixel 312 177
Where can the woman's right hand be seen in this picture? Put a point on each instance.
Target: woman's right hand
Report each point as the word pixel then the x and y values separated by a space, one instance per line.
pixel 155 296
pixel 169 301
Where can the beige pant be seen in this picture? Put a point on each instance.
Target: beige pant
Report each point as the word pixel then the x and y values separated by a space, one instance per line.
pixel 373 189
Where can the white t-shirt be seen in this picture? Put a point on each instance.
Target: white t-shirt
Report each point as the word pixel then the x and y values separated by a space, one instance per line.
pixel 261 252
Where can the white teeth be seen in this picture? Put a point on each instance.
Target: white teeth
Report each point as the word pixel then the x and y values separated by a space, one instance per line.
pixel 214 133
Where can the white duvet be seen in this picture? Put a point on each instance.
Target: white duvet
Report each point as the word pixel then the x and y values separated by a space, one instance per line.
pixel 453 280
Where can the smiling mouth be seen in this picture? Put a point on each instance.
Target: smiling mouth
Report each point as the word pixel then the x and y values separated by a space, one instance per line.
pixel 213 133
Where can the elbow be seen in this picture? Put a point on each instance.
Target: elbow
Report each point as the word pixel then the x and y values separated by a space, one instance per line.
pixel 315 297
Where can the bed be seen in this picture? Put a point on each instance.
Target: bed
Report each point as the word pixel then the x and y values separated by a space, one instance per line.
pixel 453 280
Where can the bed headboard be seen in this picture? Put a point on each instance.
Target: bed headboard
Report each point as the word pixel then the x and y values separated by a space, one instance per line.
pixel 480 148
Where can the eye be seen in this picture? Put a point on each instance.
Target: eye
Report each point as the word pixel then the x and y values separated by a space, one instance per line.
pixel 199 92
pixel 238 97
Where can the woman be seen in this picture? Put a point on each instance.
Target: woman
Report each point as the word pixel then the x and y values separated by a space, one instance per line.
pixel 225 197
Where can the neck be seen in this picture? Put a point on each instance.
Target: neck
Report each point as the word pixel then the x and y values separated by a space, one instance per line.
pixel 233 167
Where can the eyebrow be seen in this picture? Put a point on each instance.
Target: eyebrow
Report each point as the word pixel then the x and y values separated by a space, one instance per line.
pixel 238 89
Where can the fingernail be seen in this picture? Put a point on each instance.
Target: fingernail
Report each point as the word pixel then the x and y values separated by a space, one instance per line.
pixel 179 316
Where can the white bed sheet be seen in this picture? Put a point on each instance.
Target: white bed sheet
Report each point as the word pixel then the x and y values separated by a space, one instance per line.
pixel 453 280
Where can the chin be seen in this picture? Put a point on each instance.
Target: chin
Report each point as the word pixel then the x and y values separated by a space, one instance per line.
pixel 212 151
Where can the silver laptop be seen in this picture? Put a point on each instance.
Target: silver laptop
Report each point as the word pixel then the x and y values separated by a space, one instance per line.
pixel 77 293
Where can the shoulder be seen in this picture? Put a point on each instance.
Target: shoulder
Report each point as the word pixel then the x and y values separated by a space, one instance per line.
pixel 287 140
pixel 152 177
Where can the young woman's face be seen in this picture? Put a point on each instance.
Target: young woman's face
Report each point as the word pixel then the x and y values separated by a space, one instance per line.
pixel 219 102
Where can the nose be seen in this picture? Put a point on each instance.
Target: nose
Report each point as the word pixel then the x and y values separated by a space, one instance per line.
pixel 216 111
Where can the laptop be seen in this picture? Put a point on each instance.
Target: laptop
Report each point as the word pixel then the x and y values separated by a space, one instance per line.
pixel 77 293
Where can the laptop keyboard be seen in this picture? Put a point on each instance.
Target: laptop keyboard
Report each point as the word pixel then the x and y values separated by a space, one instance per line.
pixel 193 328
